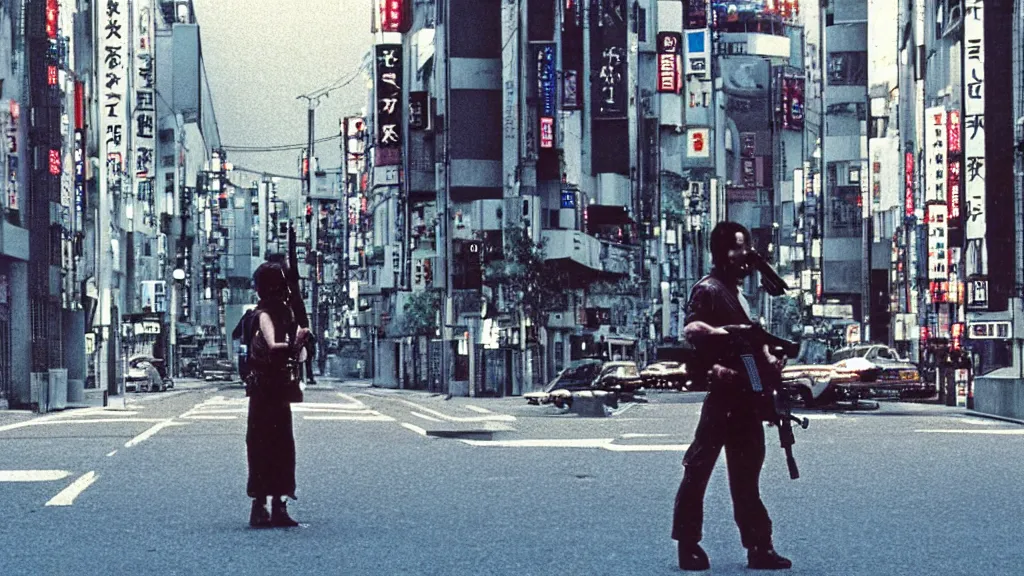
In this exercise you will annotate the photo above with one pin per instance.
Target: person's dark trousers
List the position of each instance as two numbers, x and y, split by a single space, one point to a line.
310 353
740 431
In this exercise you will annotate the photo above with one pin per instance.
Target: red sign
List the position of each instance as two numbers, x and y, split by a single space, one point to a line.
698 141
55 162
953 173
909 184
51 75
79 106
924 333
957 332
669 44
52 10
547 132
392 16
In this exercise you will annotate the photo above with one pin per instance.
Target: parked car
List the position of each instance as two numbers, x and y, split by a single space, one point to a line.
859 372
664 374
217 369
143 375
622 379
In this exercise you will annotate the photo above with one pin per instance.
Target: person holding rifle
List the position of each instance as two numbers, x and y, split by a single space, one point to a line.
292 274
730 416
272 386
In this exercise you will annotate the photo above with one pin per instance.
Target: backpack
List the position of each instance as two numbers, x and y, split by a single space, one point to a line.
244 331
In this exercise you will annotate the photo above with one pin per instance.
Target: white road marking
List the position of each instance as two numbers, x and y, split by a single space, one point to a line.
1012 432
354 418
478 409
414 428
488 418
111 454
645 435
425 417
215 417
819 416
351 399
32 475
215 411
67 496
151 432
312 406
646 447
98 421
544 443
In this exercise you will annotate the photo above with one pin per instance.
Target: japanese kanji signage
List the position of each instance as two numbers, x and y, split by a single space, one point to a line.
953 172
792 103
697 143
669 53
389 100
935 155
392 16
144 114
908 185
547 93
609 59
113 89
973 174
938 255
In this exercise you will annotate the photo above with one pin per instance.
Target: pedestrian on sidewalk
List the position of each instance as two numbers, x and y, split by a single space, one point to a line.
729 417
274 358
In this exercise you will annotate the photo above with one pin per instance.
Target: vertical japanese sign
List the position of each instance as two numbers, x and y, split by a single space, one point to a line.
547 93
79 154
392 16
696 15
669 54
935 155
973 175
144 114
510 92
908 185
12 155
113 89
792 103
389 99
698 51
938 256
572 51
953 172
609 58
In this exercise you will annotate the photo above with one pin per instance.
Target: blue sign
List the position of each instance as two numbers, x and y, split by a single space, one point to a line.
546 79
568 199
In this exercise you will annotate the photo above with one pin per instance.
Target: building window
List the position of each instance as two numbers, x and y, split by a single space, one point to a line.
847 69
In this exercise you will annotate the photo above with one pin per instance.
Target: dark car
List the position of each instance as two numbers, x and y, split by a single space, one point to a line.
622 379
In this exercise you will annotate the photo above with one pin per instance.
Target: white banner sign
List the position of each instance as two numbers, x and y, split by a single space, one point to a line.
144 87
113 33
938 250
935 155
973 132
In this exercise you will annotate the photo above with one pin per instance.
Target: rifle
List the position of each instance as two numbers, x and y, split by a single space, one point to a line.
292 276
775 401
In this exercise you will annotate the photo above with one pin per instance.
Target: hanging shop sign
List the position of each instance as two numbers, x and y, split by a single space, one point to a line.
393 17
113 91
973 175
610 65
547 93
669 52
389 99
792 103
938 247
908 185
935 140
953 170
144 114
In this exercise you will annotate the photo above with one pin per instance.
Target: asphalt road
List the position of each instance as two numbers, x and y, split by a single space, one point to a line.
159 488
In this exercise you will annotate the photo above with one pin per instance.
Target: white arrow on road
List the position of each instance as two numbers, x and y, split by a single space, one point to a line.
67 496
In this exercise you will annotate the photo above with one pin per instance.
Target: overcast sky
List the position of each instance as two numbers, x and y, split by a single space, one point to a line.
261 54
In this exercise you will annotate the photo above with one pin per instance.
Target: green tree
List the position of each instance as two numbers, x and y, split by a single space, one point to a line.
420 318
536 285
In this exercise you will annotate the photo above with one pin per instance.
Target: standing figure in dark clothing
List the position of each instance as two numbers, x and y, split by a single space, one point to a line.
273 358
281 260
729 417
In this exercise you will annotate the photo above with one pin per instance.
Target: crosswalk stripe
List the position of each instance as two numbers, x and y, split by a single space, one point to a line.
425 417
1013 432
354 418
32 475
66 497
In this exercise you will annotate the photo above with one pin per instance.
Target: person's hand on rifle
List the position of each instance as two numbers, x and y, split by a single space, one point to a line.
301 335
719 375
778 362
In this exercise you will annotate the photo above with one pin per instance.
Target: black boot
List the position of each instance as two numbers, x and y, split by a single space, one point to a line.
766 558
259 517
692 557
279 517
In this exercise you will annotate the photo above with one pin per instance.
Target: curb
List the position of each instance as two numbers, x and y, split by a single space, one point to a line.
992 417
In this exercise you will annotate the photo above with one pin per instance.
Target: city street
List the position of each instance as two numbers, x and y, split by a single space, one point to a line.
159 488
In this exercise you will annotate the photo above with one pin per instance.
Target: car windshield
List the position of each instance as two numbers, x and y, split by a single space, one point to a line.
582 371
667 365
848 353
623 371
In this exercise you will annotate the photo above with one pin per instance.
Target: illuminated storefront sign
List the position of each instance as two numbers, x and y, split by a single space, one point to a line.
953 172
609 62
392 16
389 104
668 61
935 155
792 103
547 92
938 255
908 185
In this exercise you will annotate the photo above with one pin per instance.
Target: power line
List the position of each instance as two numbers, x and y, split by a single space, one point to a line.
238 168
278 148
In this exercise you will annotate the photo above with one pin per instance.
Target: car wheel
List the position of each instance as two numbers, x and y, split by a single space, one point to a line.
807 398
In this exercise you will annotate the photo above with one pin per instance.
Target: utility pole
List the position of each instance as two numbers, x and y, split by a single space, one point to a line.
313 255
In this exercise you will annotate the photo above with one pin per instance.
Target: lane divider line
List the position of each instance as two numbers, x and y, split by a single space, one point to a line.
478 409
425 417
151 432
415 429
354 418
488 418
66 497
1013 432
33 475
111 454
